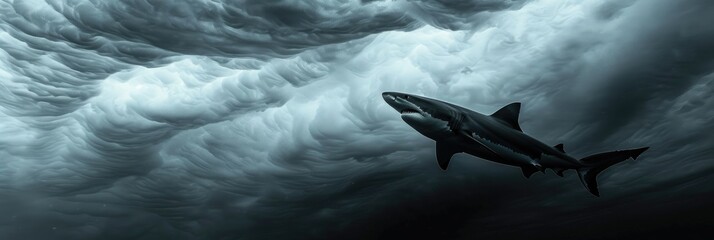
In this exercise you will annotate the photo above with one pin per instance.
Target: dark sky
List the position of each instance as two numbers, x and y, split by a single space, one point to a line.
248 119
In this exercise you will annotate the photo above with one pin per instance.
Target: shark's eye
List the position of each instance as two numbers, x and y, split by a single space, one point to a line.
406 96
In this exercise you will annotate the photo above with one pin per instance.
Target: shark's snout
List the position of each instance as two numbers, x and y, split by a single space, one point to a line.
393 96
388 96
398 101
391 99
404 104
417 112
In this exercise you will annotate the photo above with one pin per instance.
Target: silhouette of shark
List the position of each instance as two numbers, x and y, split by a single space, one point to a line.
496 137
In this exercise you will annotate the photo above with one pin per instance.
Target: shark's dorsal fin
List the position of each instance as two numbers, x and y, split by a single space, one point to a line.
444 152
509 115
559 147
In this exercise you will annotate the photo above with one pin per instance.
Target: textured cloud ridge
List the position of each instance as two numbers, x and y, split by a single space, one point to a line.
138 119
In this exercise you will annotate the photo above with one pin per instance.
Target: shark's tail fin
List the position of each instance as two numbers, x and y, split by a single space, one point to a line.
595 164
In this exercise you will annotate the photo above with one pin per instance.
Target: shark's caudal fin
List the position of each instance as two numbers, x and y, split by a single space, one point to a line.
595 164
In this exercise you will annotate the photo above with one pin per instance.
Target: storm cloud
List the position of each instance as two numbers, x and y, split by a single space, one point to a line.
139 119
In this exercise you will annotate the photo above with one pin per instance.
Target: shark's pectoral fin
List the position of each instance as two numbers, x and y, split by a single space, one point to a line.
444 152
528 171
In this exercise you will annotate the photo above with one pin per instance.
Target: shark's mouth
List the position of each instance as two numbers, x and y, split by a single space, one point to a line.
410 111
404 106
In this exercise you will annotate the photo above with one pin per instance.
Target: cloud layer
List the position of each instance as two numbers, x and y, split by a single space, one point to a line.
264 120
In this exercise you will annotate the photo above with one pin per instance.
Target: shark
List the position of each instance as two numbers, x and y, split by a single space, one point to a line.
497 137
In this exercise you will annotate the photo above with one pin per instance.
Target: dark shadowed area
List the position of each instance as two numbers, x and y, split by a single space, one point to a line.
213 119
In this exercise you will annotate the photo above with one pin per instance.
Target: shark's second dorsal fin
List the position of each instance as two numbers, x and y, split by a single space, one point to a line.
509 115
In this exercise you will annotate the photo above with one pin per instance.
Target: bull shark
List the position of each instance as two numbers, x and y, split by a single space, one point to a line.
497 137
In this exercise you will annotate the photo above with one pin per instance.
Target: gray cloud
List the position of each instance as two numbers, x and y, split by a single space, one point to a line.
139 31
263 119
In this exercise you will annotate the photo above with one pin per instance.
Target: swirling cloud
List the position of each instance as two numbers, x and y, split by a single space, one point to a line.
263 119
